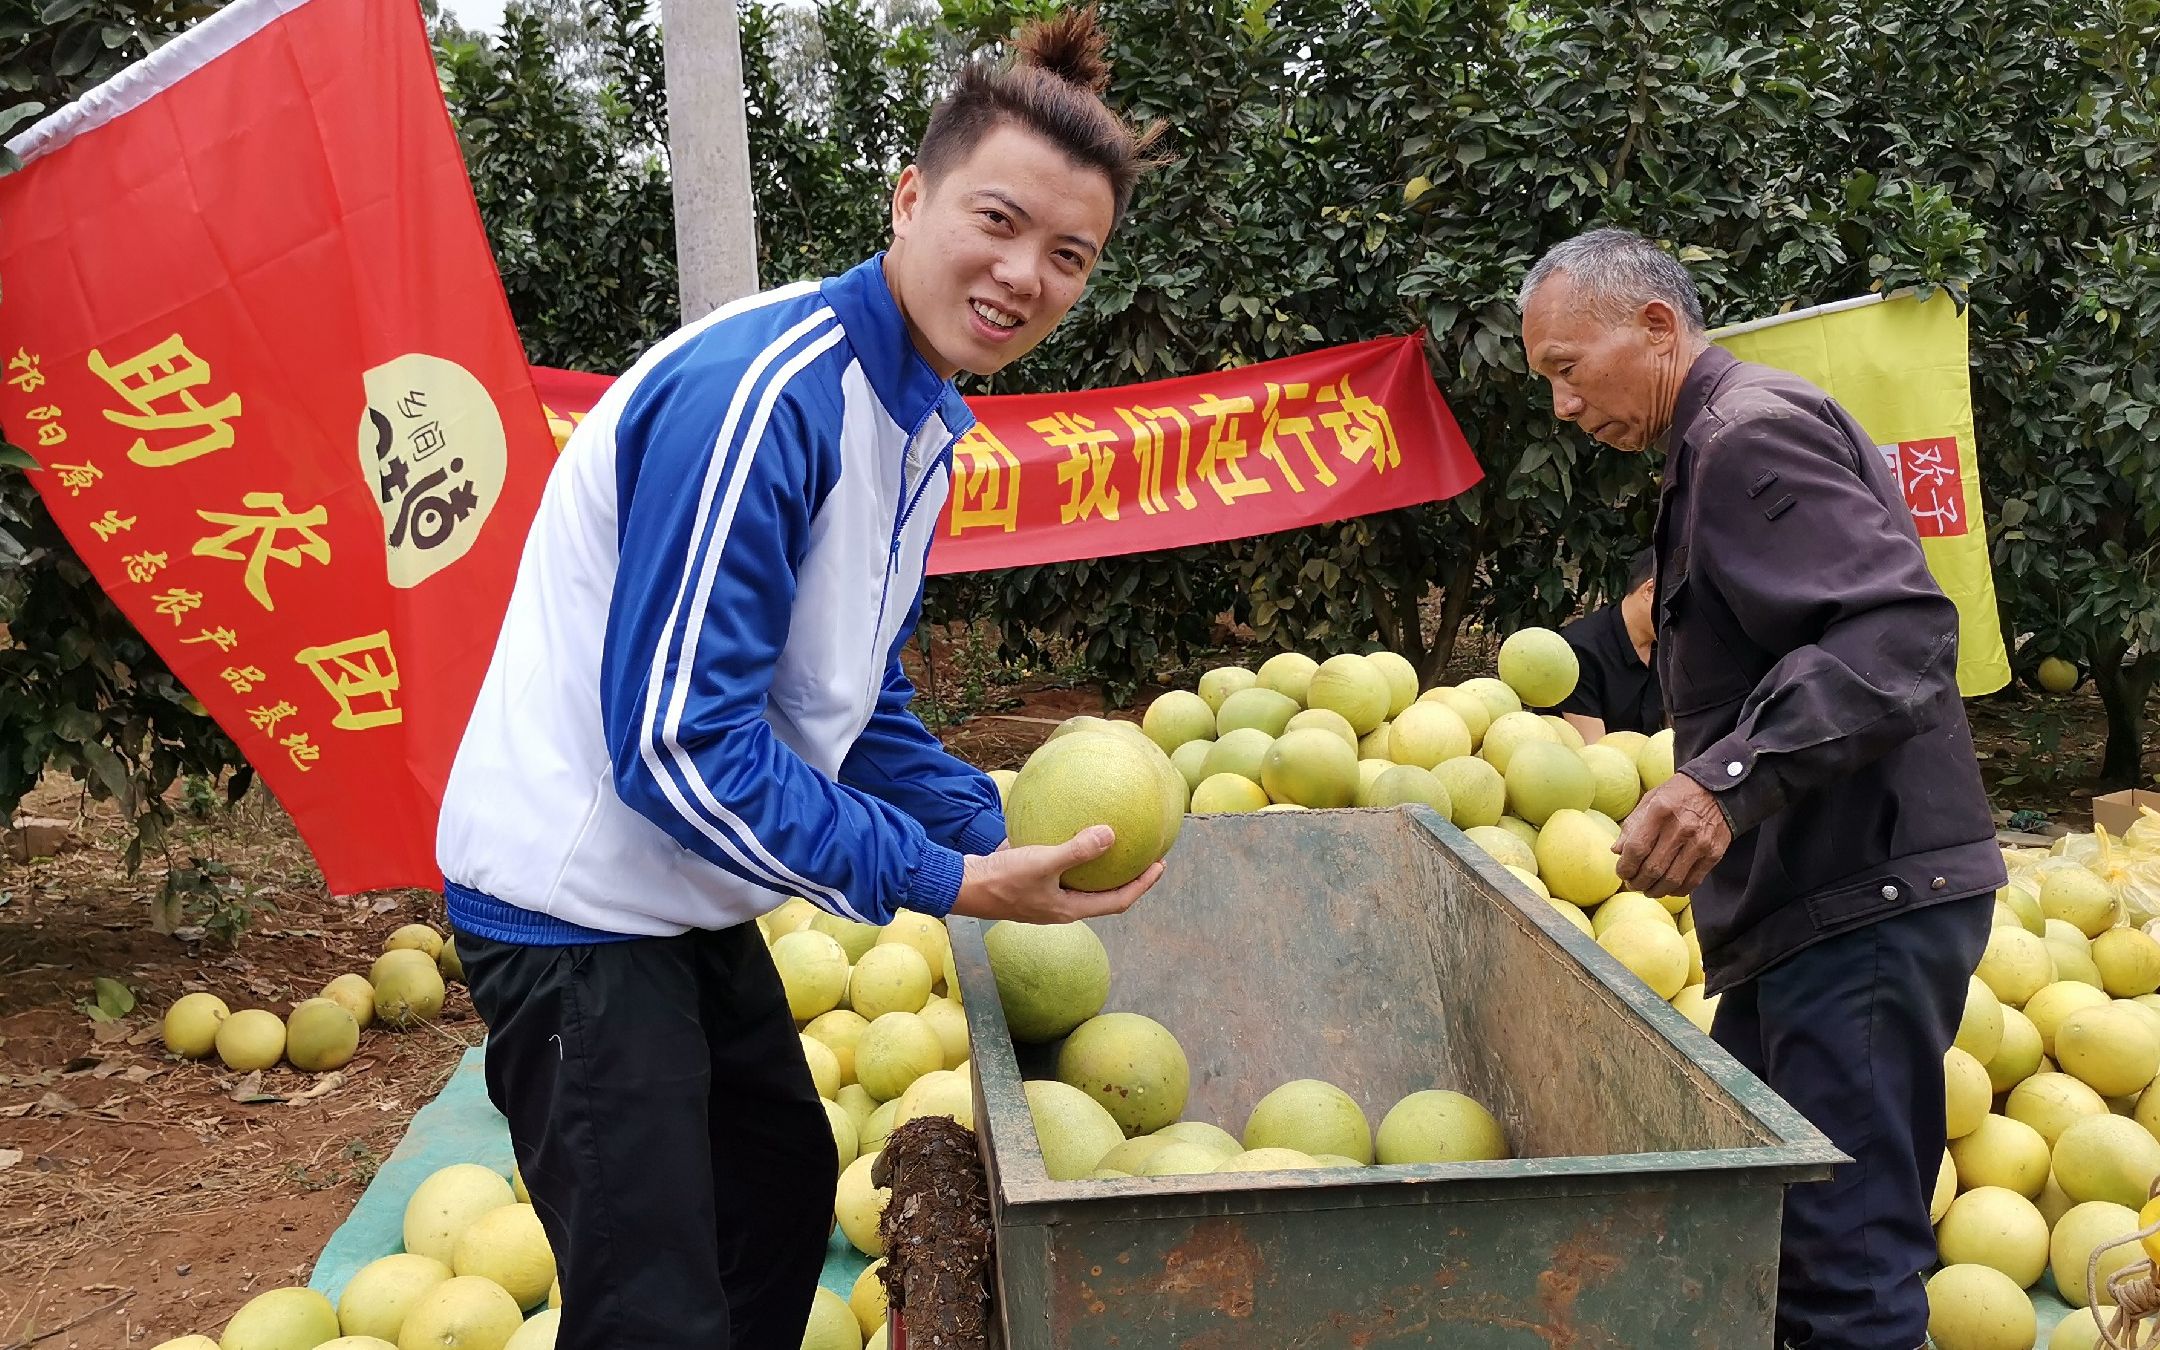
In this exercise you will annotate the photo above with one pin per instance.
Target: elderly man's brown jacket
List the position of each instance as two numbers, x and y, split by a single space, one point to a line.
1809 663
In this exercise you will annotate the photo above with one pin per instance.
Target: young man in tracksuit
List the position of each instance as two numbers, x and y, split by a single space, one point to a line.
696 710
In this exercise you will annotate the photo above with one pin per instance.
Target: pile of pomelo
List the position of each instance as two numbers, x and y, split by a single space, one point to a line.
404 989
476 1273
2053 1125
1355 731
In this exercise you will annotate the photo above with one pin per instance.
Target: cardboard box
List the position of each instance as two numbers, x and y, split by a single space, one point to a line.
2118 811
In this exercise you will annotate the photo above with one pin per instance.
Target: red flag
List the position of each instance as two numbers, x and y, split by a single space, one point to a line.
1304 440
254 336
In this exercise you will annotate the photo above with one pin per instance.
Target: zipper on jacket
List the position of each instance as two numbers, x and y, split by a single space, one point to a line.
909 500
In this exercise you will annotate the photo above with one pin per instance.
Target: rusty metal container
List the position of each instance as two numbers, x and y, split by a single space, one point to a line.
1381 951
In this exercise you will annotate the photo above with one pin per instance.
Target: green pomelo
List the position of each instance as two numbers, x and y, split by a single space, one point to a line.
1177 717
1540 666
1189 760
1615 784
1241 752
1072 1128
891 977
1379 743
1401 679
1628 743
1179 1160
1427 734
896 1049
1655 761
254 1039
1223 681
1509 733
417 937
1269 1160
854 938
1050 977
1476 713
1323 719
1288 674
1310 768
1353 686
1626 905
1312 1117
1544 778
1504 847
1406 783
2056 675
1132 1065
320 1035
1574 855
282 1319
1477 793
1214 1138
191 1024
1225 793
1090 779
1499 700
2026 904
1438 1126
1266 710
841 1031
1004 778
941 1092
354 994
407 993
1564 731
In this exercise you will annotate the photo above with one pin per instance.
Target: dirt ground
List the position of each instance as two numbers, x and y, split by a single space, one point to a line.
141 1199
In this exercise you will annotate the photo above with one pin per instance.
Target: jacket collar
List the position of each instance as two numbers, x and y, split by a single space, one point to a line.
903 381
1702 380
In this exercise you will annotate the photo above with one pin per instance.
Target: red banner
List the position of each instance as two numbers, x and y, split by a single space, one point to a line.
252 332
1049 478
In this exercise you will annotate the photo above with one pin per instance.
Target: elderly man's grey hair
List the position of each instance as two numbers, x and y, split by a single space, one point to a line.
1618 271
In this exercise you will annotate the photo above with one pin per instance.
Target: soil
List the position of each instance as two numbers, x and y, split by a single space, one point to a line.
140 1200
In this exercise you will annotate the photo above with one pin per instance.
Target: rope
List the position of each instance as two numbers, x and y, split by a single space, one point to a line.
2134 1289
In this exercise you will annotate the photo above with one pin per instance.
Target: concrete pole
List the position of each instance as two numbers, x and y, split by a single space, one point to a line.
709 152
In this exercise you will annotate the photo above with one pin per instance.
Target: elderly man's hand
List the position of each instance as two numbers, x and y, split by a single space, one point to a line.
1672 839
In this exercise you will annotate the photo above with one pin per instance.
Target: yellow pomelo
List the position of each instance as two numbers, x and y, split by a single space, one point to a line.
1402 784
1212 1137
1092 778
2072 956
449 962
1695 971
854 938
281 1319
2079 898
1691 1004
1310 768
1615 784
876 1341
1227 793
872 1136
1050 977
407 992
251 1039
1223 681
858 1205
2015 966
891 977
2144 1012
538 1332
191 1024
2111 1049
2085 1228
1528 833
867 1299
1509 733
1477 793
1427 734
1979 1032
839 1030
941 1092
1630 905
832 1323
2018 1058
1263 710
194 1343
2057 1001
1997 1228
2025 903
320 1035
1966 1093
1574 855
1130 1064
1004 779
2107 1157
1180 1160
1177 717
925 934
894 1050
1323 719
2053 1204
1503 846
1476 713
1071 1128
1945 1189
354 994
813 970
1368 773
1190 759
1130 1156
1288 674
443 1206
1655 760
1564 731
1352 686
856 1100
2056 675
1438 1126
824 1065
1540 666
2128 960
1313 1117
2002 1152
1629 744
508 1245
1972 1307
949 1021
2052 1103
2078 1331
1538 888
415 937
791 914
1268 1160
1543 778
1653 952
847 1141
1401 677
1497 697
464 1312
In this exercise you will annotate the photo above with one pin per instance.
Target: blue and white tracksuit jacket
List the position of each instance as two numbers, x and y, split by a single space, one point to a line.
696 708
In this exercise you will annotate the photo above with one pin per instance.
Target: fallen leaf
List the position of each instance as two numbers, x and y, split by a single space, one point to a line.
385 905
146 1034
141 1073
105 1033
248 1090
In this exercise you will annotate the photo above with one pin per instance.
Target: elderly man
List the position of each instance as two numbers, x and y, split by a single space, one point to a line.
1828 816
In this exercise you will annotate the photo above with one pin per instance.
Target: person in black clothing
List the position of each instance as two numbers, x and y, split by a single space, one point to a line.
1828 816
1618 687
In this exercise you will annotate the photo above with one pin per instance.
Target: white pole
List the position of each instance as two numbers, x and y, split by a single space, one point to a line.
709 153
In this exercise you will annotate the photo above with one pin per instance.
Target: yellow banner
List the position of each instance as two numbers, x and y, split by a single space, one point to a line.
1899 366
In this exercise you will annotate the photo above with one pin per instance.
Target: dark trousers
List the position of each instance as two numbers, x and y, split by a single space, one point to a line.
669 1132
1852 1033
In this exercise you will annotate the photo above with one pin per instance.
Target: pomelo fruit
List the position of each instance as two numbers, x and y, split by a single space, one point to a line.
2025 903
2056 675
2052 1103
1323 719
1313 1117
1288 674
1050 977
1311 769
1627 905
1239 752
1655 760
1087 779
2072 956
1574 855
1629 744
320 1035
1945 1189
2019 1056
354 994
846 1141
1540 666
1691 1004
1509 733
867 1298
839 1030
1130 1064
1227 793
2079 898
896 1049
1499 700
464 1312
1476 713
832 1324
941 1092
539 1331
854 938
2111 1049
1653 952
1353 686
824 1065
1268 1160
1966 1093
507 1245
407 993
949 1021
1994 1227
1189 759
1214 1138
871 1137
1264 710
1615 784
2078 1233
1477 793
858 1204
1979 1032
2057 1001
2002 1152
1406 783
1004 778
2128 961
2078 1331
443 1206
281 1319
2106 1157
1177 717
1379 743
1073 1130
1401 679
891 977
415 937
1426 734
1973 1307
251 1039
2015 966
1504 847
813 970
1439 1126
1223 681
1180 1160
191 1024
1130 1156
